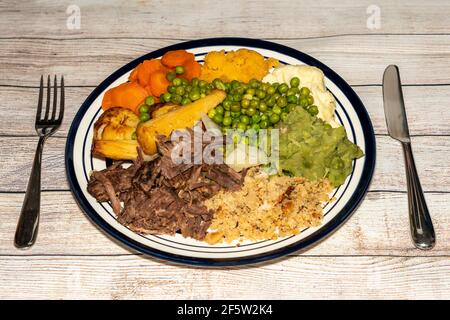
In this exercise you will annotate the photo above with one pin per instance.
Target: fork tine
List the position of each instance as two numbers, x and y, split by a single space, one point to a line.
41 92
47 106
55 98
61 108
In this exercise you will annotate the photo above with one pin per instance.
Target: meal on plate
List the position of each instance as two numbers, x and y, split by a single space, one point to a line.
237 148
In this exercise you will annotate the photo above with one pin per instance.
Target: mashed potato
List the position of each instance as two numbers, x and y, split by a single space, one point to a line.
310 77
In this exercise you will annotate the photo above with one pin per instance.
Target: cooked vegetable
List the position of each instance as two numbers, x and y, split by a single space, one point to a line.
116 124
192 69
158 83
164 109
311 148
115 149
183 117
128 95
175 58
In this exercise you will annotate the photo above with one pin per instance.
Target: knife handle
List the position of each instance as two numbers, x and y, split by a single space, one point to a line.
422 230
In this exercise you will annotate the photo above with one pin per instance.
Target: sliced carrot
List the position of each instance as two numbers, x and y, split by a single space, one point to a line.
133 74
158 83
175 58
127 95
191 69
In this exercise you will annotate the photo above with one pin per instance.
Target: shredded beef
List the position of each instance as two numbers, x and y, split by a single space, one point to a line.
161 197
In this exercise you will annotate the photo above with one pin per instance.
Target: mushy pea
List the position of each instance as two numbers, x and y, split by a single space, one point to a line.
311 148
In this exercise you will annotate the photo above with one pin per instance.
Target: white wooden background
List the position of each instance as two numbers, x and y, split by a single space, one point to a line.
371 256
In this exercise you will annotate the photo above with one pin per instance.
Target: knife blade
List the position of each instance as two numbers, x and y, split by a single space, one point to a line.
394 106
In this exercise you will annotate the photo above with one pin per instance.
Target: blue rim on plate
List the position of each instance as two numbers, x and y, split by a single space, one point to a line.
303 244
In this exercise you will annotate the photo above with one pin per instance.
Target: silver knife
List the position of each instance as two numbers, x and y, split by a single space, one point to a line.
422 231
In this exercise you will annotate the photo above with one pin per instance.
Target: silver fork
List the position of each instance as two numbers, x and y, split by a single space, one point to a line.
45 125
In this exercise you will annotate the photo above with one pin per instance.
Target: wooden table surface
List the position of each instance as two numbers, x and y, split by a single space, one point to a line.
371 256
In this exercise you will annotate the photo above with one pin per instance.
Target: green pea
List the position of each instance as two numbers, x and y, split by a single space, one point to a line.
227 87
271 102
251 111
283 116
254 104
304 102
270 90
264 117
264 86
255 126
242 126
171 75
281 102
244 111
218 118
262 106
179 69
227 121
235 107
227 114
276 110
218 84
235 121
295 82
144 117
291 99
202 95
176 98
310 100
256 118
227 104
194 82
275 85
143 108
171 88
237 97
292 91
188 88
276 96
185 101
283 88
166 97
194 94
176 82
261 94
274 118
184 82
245 103
263 124
219 110
253 83
250 91
235 84
313 110
202 83
179 90
244 119
304 92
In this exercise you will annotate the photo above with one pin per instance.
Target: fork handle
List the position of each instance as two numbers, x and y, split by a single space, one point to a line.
422 230
27 226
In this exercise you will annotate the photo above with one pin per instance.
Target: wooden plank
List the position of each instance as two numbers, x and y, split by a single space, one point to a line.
358 59
133 277
252 18
425 105
379 227
17 155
